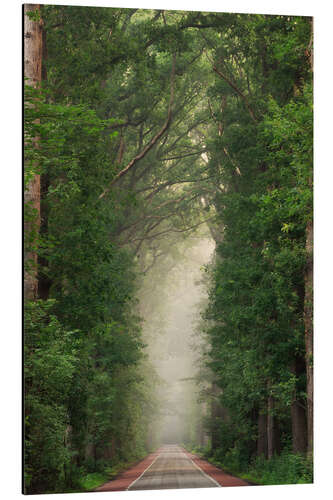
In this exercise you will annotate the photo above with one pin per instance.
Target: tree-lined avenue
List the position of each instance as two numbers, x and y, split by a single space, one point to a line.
168 165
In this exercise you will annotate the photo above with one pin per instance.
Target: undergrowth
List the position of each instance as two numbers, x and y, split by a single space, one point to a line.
286 468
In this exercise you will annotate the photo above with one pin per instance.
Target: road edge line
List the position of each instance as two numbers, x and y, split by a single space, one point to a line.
203 472
137 479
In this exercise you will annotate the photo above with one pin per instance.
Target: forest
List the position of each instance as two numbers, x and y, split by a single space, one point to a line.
146 132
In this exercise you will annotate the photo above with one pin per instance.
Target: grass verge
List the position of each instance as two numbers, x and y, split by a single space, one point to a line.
91 481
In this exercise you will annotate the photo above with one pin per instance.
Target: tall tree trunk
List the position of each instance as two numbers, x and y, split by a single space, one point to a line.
202 429
201 434
270 427
298 424
215 419
277 436
298 414
262 435
33 72
308 318
219 414
308 299
44 281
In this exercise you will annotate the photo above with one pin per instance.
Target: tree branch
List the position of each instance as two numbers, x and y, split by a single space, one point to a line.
154 139
236 89
155 257
183 155
174 230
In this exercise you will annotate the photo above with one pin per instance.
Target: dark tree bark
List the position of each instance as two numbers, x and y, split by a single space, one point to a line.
219 414
298 414
214 414
308 325
308 299
270 427
44 281
277 436
298 424
262 435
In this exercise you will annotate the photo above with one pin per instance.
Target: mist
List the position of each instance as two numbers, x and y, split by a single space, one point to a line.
171 300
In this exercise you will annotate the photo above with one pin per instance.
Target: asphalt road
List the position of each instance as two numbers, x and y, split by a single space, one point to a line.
172 469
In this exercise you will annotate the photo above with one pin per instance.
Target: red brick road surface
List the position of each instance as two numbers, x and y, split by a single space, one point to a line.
123 481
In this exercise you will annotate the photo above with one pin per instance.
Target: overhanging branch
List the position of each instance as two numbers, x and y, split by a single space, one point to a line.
154 139
236 89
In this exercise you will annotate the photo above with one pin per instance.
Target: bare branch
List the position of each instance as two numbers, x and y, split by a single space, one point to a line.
174 230
183 155
155 257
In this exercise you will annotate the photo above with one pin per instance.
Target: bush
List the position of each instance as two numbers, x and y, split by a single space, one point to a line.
49 361
287 468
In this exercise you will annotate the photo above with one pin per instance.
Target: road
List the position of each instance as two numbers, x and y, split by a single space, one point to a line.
172 469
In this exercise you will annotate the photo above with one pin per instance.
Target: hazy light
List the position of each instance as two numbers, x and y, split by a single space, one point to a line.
171 309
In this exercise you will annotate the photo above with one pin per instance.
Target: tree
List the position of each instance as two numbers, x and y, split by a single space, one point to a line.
257 299
33 75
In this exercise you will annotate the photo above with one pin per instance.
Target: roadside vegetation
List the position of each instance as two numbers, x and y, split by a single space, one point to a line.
285 468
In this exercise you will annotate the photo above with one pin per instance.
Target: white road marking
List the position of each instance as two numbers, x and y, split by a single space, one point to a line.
137 479
204 473
195 465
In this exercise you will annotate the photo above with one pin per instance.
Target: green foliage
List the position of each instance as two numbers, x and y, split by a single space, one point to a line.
50 354
288 468
93 277
90 482
254 321
34 15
